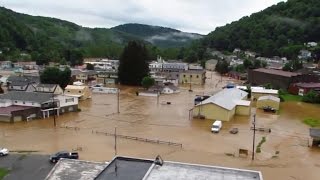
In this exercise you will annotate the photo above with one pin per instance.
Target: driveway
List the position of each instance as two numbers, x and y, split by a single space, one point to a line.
26 166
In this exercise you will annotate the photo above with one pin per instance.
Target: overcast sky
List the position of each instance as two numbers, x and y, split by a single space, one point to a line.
200 16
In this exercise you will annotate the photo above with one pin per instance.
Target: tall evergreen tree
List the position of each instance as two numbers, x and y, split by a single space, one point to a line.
133 64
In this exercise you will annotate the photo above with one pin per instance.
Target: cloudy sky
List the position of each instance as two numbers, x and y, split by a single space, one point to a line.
200 16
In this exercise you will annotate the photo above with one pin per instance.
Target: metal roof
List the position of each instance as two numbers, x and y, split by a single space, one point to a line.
315 133
277 72
269 98
265 91
227 98
27 96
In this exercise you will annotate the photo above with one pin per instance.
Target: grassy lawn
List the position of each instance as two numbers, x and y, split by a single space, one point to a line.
3 173
312 122
290 97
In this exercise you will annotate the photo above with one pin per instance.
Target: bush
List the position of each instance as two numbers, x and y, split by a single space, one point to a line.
312 122
311 97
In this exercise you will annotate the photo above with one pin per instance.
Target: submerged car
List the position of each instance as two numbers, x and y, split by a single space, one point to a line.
269 109
4 151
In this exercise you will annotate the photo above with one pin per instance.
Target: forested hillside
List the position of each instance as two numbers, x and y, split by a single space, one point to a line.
25 37
281 30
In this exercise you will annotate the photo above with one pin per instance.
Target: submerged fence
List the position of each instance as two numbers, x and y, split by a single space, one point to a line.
128 137
139 139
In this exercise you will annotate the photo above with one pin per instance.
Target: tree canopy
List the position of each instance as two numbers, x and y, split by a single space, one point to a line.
133 64
53 75
147 82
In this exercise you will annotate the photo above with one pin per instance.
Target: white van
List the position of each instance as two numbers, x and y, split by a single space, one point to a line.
216 126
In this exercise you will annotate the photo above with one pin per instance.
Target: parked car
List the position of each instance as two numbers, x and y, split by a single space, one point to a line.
216 126
4 151
269 109
63 154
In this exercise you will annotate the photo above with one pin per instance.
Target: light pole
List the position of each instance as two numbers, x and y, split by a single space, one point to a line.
118 99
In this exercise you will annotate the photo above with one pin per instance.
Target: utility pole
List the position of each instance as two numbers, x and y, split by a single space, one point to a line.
158 96
190 90
254 135
118 99
54 113
115 150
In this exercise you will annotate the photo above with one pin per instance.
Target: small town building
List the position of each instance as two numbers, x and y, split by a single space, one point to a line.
107 77
271 101
49 88
237 75
223 105
193 77
315 136
256 93
82 92
130 168
277 78
84 76
302 89
166 88
20 105
22 83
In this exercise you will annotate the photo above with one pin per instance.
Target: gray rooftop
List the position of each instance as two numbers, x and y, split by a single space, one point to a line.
227 98
67 169
181 171
47 85
29 79
122 168
315 133
27 96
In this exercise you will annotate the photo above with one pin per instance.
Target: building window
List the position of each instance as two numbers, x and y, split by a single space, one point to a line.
15 101
21 87
79 91
24 102
68 91
184 75
190 76
197 76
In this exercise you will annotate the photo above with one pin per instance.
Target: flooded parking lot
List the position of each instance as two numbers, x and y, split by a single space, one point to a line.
285 154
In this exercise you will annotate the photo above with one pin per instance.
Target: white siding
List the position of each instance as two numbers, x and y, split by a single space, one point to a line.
5 103
67 100
26 103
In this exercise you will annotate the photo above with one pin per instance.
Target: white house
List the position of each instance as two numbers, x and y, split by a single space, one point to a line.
49 88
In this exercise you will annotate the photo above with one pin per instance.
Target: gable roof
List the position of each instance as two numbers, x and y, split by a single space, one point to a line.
28 79
227 98
47 85
27 96
269 98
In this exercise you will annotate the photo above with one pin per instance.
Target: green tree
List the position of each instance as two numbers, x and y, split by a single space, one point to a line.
240 68
311 97
90 66
147 82
133 64
53 75
247 63
222 67
75 57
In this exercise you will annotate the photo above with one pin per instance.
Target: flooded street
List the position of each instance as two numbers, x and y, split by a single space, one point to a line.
143 117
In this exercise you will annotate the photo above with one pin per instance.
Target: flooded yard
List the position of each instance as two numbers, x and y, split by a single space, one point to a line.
285 154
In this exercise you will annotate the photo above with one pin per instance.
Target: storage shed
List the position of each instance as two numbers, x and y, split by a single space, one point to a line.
271 101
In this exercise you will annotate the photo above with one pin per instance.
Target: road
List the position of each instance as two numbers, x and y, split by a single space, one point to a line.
26 166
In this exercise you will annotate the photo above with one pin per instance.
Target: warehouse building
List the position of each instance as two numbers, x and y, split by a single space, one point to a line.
224 105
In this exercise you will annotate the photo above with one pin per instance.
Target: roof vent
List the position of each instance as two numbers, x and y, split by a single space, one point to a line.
158 160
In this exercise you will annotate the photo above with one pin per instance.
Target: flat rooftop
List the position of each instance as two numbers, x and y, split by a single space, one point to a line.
122 168
277 72
181 171
69 169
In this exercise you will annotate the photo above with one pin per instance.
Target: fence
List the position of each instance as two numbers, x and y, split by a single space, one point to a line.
140 139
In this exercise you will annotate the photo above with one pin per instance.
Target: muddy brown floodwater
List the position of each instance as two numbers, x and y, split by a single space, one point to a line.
143 117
